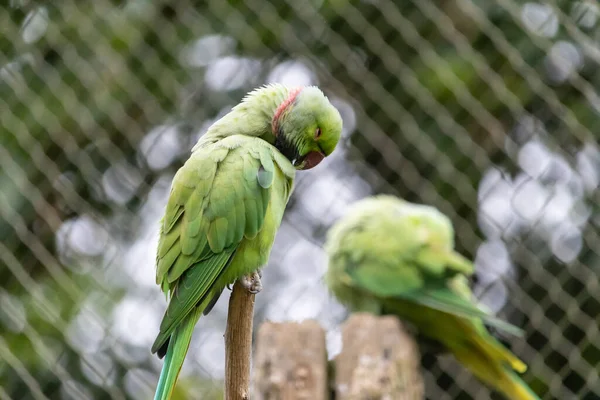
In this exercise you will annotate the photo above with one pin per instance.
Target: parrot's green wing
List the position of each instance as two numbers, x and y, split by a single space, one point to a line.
217 198
423 276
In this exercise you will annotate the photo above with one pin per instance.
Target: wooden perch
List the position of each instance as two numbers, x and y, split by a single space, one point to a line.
379 360
238 343
291 362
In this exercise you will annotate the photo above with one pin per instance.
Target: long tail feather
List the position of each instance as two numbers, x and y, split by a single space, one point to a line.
179 344
517 389
494 364
497 352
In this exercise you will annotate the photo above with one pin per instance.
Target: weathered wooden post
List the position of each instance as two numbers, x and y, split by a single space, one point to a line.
290 362
379 360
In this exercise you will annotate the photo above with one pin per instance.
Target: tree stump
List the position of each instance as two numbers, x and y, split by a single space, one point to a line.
291 362
379 361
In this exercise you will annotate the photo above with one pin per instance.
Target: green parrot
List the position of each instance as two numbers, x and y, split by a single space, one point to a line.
227 202
389 256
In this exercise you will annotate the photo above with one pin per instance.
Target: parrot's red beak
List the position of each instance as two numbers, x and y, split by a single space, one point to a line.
312 159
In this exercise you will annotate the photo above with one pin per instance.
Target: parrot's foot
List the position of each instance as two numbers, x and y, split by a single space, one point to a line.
229 286
252 282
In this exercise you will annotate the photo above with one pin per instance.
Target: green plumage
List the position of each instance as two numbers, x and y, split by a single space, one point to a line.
227 202
388 256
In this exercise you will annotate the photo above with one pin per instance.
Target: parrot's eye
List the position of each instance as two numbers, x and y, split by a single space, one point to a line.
318 133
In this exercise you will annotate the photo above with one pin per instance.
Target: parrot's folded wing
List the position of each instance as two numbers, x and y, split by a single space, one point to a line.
403 280
446 300
190 291
217 199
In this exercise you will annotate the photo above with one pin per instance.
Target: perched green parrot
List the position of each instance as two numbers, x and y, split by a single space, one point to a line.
389 256
227 202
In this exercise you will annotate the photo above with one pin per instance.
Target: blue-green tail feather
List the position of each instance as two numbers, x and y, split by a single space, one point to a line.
173 361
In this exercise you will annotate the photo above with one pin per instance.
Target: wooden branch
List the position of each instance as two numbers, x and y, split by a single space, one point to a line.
291 362
379 360
238 343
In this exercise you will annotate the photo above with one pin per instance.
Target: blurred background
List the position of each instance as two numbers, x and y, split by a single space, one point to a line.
488 110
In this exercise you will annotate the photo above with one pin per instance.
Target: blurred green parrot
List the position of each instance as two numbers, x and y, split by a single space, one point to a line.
389 256
227 202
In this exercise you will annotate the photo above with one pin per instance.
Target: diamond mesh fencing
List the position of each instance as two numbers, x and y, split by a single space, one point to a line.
488 110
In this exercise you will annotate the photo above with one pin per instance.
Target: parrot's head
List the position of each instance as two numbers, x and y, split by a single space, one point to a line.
306 127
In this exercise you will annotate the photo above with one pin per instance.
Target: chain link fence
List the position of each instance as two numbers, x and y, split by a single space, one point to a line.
488 110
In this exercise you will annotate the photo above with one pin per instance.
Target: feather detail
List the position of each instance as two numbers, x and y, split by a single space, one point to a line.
282 107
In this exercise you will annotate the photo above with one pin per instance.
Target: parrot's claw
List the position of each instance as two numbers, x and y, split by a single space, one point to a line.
229 286
252 282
